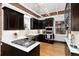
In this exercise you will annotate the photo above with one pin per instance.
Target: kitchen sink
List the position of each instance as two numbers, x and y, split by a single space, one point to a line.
26 42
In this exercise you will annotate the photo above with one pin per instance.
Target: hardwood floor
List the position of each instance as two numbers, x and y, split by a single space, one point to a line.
55 49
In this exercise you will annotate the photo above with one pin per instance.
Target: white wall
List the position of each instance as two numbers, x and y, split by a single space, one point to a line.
28 29
27 21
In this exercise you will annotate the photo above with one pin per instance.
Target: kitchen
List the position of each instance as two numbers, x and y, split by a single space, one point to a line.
26 32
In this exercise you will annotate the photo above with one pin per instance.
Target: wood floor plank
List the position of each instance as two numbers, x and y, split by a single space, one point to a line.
56 49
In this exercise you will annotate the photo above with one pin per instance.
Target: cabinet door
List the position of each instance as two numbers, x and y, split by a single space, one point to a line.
10 20
20 21
43 24
34 23
5 50
13 20
37 24
49 22
6 19
46 22
40 24
75 17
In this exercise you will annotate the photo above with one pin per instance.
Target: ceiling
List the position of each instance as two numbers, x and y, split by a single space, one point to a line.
45 8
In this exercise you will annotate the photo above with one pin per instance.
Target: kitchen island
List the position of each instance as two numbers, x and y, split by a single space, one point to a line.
10 49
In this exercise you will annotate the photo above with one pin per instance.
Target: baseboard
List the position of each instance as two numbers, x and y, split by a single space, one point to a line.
60 42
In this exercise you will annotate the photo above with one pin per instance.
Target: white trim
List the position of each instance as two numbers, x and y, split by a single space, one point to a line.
50 16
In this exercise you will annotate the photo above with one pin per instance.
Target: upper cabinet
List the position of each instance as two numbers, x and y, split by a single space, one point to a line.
41 24
72 16
33 23
75 17
13 20
49 22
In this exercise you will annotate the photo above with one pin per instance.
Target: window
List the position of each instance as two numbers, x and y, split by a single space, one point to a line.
60 27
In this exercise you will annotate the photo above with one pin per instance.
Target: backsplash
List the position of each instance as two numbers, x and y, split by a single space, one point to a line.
20 33
10 34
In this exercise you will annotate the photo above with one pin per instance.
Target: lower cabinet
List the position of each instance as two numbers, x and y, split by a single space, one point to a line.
41 38
7 50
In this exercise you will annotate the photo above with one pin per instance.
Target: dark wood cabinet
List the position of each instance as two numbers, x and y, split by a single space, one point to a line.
41 38
7 50
49 22
75 17
72 16
13 20
34 23
41 24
